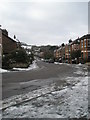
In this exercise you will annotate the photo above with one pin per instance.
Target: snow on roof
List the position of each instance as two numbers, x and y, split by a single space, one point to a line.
26 46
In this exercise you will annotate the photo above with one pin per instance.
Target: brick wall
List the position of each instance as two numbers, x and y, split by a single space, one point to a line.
75 47
84 49
8 44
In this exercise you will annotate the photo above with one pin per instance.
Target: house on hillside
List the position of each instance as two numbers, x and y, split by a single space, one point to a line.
56 54
27 48
85 47
68 52
75 51
59 54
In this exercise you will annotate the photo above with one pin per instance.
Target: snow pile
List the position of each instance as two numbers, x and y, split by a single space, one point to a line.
75 101
31 67
49 102
2 70
26 46
81 70
57 63
79 64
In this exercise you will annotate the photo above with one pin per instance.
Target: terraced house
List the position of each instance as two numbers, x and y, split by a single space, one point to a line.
75 51
68 49
85 47
56 54
59 54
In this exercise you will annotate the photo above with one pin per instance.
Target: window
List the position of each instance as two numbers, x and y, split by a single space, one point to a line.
88 54
82 44
85 43
84 39
88 42
69 48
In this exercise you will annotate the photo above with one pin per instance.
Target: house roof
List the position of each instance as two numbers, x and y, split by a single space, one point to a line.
85 37
8 37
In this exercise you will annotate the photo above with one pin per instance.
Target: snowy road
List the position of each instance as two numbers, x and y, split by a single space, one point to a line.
51 102
61 96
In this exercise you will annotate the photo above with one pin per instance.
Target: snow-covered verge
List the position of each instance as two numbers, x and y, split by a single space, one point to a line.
32 66
50 102
3 70
57 63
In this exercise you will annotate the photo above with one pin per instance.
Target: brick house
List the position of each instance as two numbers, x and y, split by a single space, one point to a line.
68 50
76 45
8 44
75 48
80 45
56 53
63 53
59 54
59 50
85 47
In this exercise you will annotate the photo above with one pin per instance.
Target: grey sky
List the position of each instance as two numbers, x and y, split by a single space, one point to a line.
45 23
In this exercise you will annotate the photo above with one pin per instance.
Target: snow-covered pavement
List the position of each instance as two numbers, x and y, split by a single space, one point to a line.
51 102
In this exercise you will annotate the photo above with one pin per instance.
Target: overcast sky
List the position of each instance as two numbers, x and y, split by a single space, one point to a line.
41 23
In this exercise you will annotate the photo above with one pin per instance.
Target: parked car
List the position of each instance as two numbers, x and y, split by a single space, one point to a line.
46 60
42 59
73 61
51 61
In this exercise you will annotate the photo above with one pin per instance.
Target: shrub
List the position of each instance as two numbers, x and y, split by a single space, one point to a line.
6 61
76 54
17 57
20 56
